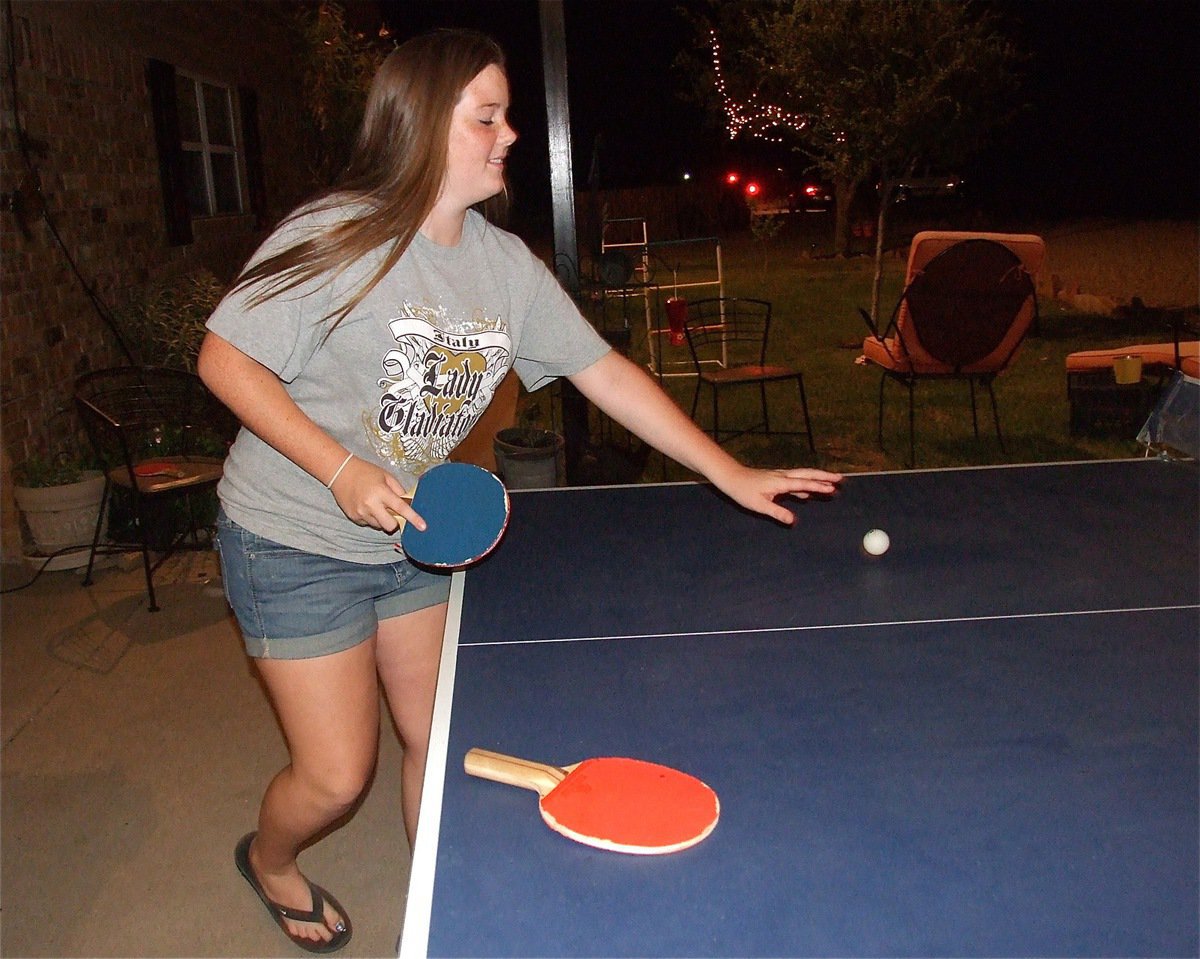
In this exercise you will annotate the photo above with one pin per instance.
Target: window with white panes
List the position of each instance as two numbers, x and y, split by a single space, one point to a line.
208 139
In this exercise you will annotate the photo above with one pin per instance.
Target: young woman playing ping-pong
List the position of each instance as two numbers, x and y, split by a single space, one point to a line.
361 343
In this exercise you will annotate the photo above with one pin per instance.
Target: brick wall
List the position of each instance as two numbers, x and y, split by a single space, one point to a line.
83 104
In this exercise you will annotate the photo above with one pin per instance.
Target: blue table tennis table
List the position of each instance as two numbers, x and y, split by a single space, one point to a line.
983 743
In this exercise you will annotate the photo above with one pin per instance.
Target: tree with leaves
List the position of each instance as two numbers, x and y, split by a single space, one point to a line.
338 66
868 90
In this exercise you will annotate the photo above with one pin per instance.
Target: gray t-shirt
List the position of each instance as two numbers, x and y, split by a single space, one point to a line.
402 379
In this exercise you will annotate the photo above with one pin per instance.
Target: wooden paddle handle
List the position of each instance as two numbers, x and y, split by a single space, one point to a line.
400 520
511 771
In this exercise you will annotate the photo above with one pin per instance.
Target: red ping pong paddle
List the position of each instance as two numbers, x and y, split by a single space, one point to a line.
465 509
150 468
624 805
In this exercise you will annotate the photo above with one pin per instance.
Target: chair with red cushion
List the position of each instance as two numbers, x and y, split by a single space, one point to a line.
969 300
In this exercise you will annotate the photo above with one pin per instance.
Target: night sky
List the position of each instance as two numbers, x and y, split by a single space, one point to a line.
1111 126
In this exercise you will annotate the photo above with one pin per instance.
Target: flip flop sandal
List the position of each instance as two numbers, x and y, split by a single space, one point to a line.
279 913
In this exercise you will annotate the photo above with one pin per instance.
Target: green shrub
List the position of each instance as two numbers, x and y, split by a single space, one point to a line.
163 322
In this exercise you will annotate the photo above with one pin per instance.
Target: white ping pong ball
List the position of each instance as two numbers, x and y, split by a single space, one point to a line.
876 542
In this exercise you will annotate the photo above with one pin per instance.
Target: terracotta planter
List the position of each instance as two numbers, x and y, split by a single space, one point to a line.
62 516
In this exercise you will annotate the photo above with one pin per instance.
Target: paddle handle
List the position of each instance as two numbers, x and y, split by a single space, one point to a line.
400 520
512 771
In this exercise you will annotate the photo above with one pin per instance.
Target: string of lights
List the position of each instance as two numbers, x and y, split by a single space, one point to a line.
761 121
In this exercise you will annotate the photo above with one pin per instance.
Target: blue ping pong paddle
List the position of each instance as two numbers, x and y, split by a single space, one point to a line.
465 509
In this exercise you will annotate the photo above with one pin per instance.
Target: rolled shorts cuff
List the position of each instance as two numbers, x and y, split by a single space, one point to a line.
335 640
433 593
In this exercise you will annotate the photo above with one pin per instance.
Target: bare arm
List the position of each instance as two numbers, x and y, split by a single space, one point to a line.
366 493
634 400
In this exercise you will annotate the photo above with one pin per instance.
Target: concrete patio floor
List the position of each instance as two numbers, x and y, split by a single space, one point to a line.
136 748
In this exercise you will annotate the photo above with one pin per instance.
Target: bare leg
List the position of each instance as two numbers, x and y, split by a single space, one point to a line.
408 653
329 710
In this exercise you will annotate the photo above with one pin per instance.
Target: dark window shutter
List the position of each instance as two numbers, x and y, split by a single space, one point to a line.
160 80
252 151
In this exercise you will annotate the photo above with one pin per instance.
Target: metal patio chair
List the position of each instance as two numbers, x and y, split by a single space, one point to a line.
727 337
969 300
161 436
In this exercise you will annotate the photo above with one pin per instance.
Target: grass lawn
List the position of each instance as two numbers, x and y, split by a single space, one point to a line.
817 327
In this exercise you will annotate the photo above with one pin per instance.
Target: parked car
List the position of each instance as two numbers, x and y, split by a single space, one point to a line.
945 186
773 191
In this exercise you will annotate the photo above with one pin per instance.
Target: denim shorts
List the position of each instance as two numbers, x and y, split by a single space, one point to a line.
291 604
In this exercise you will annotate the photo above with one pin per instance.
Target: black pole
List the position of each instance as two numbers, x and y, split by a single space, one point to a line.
562 190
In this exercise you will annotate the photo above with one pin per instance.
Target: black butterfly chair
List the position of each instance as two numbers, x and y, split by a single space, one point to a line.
160 436
727 337
969 299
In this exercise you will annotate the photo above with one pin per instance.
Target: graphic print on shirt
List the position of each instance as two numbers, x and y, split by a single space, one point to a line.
437 382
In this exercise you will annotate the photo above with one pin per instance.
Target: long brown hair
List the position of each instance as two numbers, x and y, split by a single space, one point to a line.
395 170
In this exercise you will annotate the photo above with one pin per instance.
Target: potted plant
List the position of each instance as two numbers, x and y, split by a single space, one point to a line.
527 456
59 499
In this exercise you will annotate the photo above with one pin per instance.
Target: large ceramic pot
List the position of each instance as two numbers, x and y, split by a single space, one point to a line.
59 517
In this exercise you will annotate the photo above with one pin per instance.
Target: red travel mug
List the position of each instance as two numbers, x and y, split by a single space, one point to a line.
676 315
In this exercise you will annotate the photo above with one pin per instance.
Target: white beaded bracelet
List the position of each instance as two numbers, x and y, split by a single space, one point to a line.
338 471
